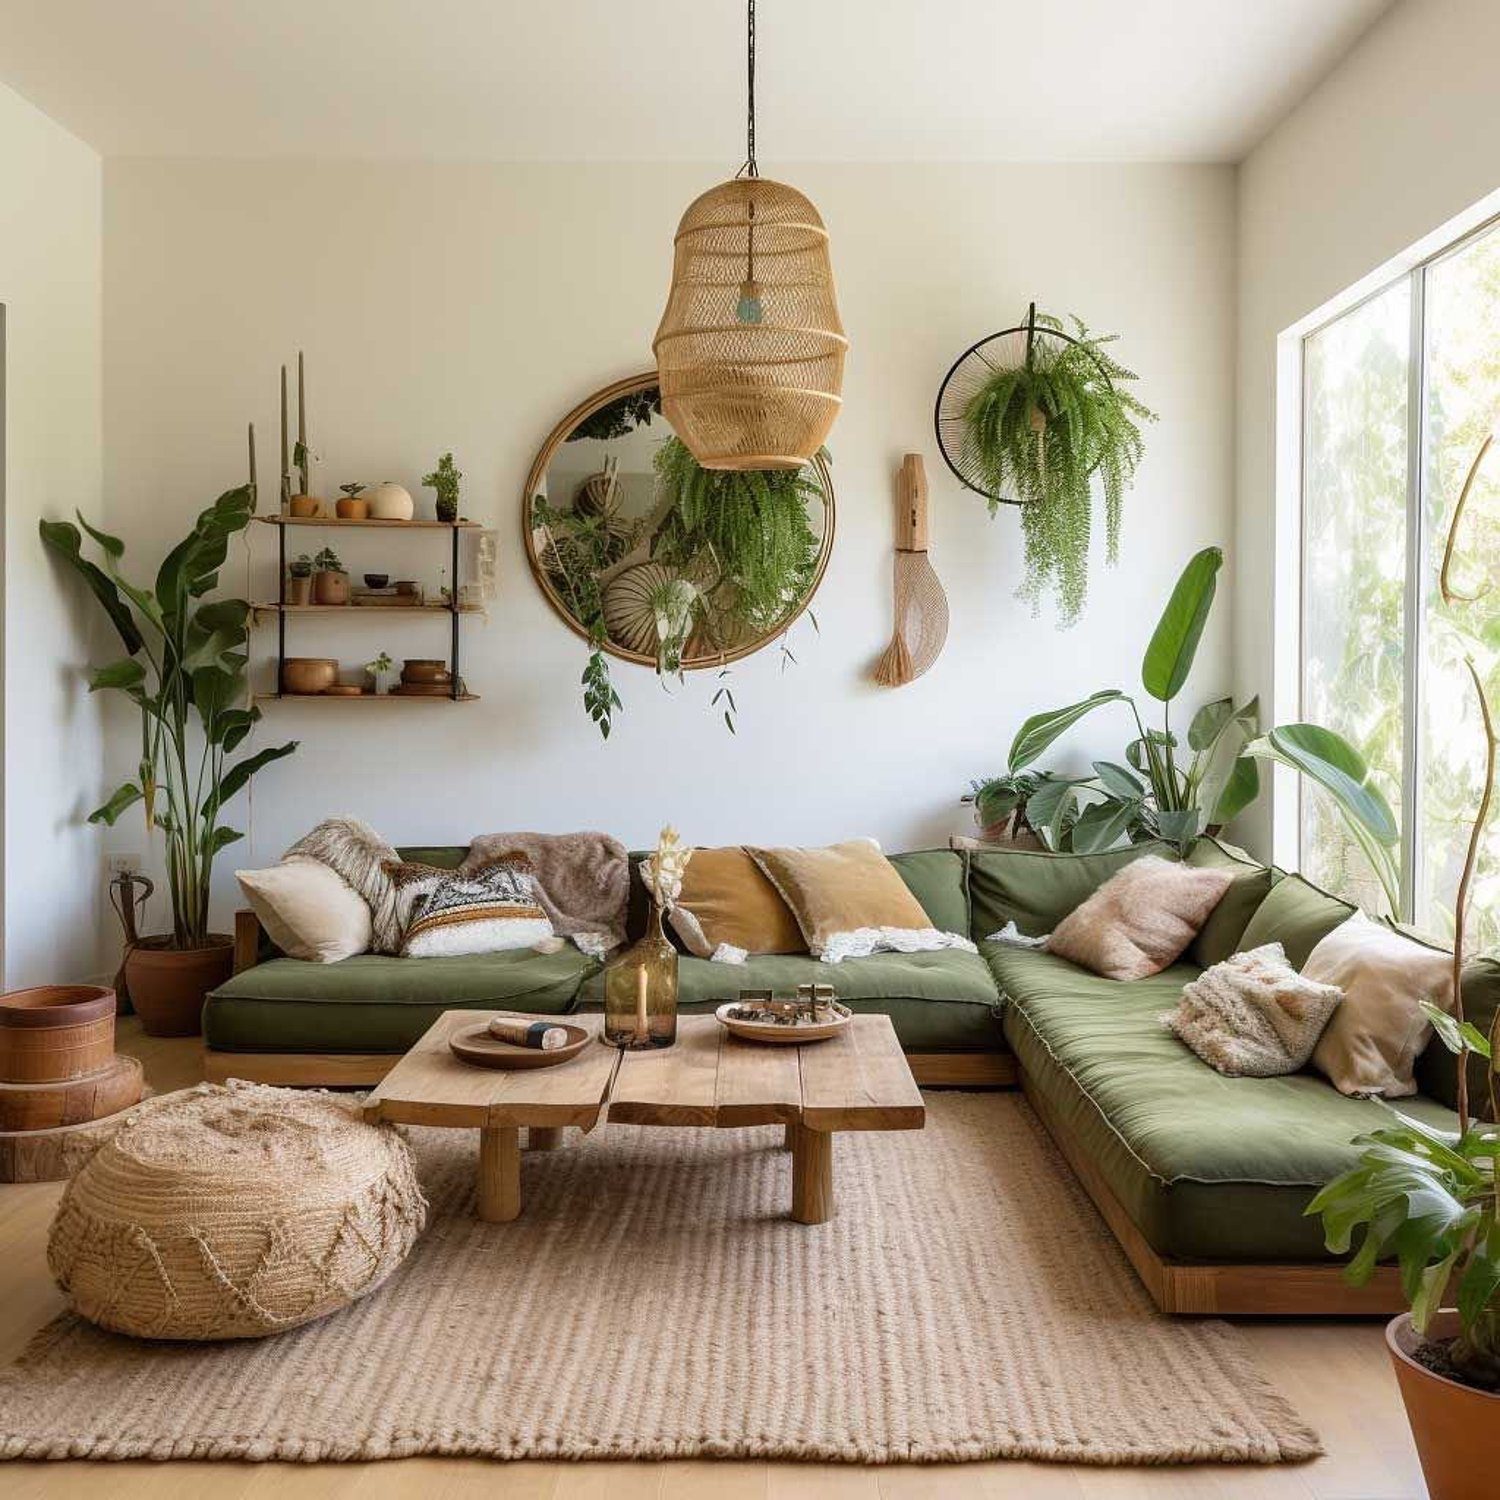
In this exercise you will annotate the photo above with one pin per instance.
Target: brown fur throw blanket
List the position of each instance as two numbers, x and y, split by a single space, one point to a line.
582 881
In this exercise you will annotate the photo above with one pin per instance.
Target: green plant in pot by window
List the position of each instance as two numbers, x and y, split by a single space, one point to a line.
1154 790
184 670
1043 431
443 481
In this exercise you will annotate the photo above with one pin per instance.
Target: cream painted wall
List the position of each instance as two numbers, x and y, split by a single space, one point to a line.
1402 137
50 197
468 307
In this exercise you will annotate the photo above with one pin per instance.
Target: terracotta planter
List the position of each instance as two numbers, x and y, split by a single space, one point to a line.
168 984
304 506
330 588
298 590
1454 1425
352 508
56 1032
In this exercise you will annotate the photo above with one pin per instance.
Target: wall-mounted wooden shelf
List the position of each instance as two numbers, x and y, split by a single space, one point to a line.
366 698
371 521
365 609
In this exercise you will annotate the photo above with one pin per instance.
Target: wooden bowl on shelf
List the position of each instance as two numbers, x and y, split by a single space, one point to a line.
308 674
425 669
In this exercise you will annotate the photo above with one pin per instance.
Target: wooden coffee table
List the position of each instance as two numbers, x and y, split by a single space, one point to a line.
856 1081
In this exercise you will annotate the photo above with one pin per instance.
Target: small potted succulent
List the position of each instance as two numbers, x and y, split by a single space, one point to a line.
378 672
352 507
330 578
298 588
443 481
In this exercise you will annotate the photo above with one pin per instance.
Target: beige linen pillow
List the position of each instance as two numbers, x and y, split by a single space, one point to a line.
1141 919
310 912
1375 1037
849 901
727 900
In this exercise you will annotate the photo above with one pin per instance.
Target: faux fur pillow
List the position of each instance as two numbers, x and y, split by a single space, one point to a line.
1141 919
448 913
1253 1015
355 851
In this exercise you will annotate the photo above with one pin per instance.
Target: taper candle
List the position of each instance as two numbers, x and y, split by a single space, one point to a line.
253 491
302 423
640 1002
286 472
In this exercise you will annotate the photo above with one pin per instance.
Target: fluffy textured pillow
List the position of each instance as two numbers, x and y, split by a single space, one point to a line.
849 902
490 908
726 900
1140 920
1253 1015
309 912
1375 1037
356 852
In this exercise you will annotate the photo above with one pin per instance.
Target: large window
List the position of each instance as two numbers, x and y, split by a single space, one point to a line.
1398 394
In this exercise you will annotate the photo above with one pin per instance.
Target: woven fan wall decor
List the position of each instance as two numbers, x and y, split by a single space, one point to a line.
750 350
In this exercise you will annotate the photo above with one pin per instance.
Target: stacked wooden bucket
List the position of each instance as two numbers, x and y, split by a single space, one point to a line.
62 1084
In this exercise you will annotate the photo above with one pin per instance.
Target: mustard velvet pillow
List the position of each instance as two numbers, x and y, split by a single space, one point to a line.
849 902
1142 919
727 900
1372 1043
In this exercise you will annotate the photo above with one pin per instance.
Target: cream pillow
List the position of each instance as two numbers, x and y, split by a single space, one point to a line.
1141 919
310 912
850 902
1375 1037
1253 1015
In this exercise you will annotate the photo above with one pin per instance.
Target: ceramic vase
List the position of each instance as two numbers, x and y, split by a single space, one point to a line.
391 502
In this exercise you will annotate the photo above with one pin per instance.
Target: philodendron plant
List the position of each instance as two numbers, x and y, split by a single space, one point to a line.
1156 791
184 669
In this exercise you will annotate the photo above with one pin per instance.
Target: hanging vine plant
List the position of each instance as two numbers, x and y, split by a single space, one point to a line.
1038 431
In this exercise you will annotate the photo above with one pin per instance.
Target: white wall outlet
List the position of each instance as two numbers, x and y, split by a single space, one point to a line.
124 864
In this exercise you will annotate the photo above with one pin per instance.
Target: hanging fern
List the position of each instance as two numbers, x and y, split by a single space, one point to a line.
1040 432
746 537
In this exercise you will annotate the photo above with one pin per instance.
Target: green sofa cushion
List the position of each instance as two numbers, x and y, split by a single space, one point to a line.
938 1002
1297 915
1036 890
1437 1067
939 879
1220 935
376 1004
1208 1167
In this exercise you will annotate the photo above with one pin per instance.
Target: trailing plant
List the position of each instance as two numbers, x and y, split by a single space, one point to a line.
184 669
1150 793
327 561
1042 432
443 481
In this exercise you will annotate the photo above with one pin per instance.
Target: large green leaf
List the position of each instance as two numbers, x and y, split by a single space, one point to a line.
1102 825
1241 788
241 771
124 797
1040 730
1169 655
1180 825
1119 781
124 674
1331 761
64 539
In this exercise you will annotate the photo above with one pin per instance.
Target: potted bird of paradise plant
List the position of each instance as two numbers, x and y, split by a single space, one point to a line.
184 670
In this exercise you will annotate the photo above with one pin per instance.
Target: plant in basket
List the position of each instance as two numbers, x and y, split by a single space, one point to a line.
184 669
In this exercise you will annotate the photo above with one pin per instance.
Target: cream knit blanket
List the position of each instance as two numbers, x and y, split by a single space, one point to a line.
1253 1015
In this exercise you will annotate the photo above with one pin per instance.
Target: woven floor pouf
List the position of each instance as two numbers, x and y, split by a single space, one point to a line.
235 1212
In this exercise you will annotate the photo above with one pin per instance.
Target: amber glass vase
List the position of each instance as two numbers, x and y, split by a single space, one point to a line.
640 991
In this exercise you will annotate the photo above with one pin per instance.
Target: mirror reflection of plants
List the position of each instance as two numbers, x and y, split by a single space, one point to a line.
184 670
1041 432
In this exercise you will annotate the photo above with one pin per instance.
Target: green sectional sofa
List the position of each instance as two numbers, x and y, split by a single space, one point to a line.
1204 1179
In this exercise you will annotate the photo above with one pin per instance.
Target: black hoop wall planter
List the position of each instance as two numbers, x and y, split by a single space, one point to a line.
993 353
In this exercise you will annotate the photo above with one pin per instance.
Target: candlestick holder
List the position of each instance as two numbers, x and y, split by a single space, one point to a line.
640 991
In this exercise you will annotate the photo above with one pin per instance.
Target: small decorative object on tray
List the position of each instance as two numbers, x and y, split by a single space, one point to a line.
813 1015
475 1044
546 1036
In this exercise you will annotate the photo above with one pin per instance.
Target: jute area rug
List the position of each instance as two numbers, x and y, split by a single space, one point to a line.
654 1301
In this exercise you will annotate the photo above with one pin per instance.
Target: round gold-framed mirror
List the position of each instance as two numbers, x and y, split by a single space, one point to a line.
655 560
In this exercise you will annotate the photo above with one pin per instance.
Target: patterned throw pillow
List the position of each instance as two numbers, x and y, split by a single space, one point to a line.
491 908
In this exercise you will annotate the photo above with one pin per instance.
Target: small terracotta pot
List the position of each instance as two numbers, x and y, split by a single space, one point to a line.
1454 1425
304 506
352 508
425 669
308 674
54 1032
298 590
330 588
168 984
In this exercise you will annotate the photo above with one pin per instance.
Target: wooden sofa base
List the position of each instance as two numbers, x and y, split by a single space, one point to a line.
967 1070
1224 1289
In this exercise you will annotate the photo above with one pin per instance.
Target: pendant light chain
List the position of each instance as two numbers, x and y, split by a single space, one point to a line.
750 169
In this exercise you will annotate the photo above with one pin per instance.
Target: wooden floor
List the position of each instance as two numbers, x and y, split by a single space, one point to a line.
1336 1373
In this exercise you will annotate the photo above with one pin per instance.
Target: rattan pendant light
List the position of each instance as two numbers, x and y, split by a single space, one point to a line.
750 351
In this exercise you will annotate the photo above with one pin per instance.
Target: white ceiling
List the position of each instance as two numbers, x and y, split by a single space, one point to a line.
555 80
